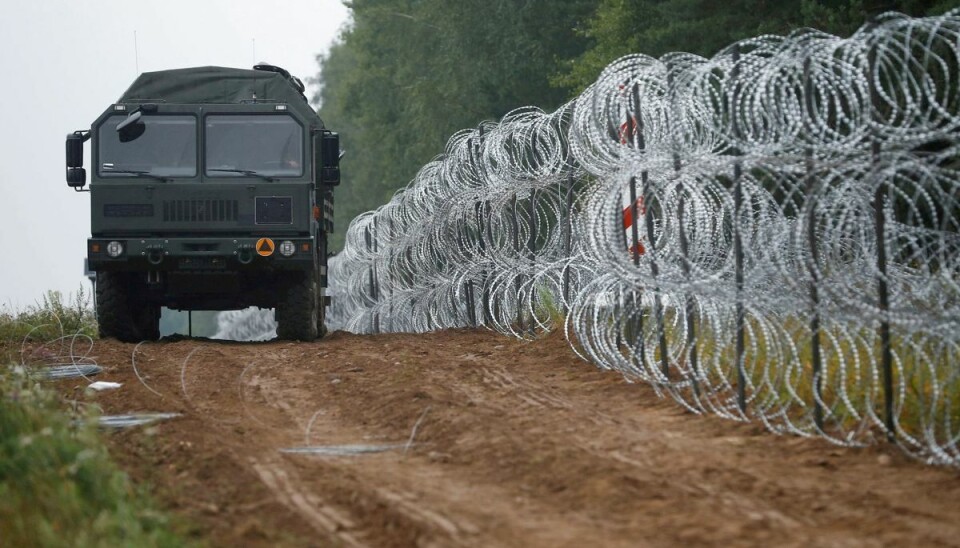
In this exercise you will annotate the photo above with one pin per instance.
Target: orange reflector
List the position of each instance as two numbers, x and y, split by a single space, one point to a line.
95 248
316 213
305 247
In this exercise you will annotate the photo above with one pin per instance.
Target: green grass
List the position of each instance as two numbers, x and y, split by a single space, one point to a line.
547 309
58 486
54 316
779 371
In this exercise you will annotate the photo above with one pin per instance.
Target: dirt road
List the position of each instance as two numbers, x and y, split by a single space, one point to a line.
513 444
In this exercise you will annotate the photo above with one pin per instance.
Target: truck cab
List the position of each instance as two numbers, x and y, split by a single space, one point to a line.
211 189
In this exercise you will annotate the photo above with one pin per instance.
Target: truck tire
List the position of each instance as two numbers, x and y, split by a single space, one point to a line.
297 310
122 311
114 310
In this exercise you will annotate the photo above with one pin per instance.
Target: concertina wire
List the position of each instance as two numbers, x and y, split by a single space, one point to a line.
769 234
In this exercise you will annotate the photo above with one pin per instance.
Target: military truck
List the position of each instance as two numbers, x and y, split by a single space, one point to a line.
211 189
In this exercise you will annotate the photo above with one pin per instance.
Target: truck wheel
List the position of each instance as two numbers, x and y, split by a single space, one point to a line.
122 312
297 310
114 311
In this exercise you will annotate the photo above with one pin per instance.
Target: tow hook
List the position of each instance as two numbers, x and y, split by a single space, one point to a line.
245 255
155 256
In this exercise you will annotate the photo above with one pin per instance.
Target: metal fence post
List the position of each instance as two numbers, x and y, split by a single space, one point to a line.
567 242
639 143
470 297
369 240
738 275
390 268
485 289
738 248
532 249
622 236
883 293
634 220
471 306
690 304
654 273
518 282
813 266
635 250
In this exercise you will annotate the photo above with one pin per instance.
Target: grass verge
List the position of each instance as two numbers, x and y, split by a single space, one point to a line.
54 316
58 486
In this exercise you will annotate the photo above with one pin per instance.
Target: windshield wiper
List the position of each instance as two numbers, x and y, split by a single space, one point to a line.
247 172
138 173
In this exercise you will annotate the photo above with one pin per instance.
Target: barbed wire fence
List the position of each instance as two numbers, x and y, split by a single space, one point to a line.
770 234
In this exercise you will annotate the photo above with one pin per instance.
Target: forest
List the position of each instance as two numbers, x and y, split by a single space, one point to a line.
404 75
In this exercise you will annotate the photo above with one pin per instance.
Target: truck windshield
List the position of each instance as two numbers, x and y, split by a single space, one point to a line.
168 148
268 145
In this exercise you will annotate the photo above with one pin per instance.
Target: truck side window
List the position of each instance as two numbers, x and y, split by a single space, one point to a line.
167 148
269 144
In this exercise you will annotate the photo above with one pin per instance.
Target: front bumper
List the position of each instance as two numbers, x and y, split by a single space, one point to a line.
186 254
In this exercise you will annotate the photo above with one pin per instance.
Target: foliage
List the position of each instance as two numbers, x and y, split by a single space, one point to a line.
408 73
54 316
58 486
703 27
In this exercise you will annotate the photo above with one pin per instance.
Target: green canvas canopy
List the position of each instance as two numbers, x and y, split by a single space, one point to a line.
217 85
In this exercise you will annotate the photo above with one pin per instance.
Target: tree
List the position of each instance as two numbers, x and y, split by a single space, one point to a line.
704 27
407 74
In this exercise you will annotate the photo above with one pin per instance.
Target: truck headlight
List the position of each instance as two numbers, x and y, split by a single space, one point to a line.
114 249
287 248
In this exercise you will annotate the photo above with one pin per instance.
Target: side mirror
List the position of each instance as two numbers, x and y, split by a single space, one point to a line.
329 161
75 149
76 175
131 128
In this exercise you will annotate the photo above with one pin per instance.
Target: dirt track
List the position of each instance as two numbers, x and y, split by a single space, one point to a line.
516 444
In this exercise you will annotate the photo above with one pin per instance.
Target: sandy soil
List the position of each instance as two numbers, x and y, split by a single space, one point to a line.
514 444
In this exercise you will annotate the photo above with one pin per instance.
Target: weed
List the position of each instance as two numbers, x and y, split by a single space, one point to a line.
52 317
58 486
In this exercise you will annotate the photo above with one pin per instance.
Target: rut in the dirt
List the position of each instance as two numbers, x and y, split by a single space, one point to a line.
518 444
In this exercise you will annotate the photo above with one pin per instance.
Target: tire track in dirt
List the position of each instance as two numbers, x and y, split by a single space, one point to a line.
522 444
404 505
324 518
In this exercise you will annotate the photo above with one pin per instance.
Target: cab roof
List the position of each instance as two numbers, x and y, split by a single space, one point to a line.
218 85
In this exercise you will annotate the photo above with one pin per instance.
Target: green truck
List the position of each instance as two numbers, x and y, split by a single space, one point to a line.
211 189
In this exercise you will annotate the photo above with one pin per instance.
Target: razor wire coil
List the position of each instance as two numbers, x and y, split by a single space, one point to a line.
769 234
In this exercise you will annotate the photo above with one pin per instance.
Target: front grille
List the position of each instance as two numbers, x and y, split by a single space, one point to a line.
200 211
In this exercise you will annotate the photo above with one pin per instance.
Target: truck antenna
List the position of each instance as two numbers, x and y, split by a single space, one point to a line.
253 41
136 54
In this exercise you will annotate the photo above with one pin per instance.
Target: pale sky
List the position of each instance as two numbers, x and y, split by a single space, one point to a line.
65 61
